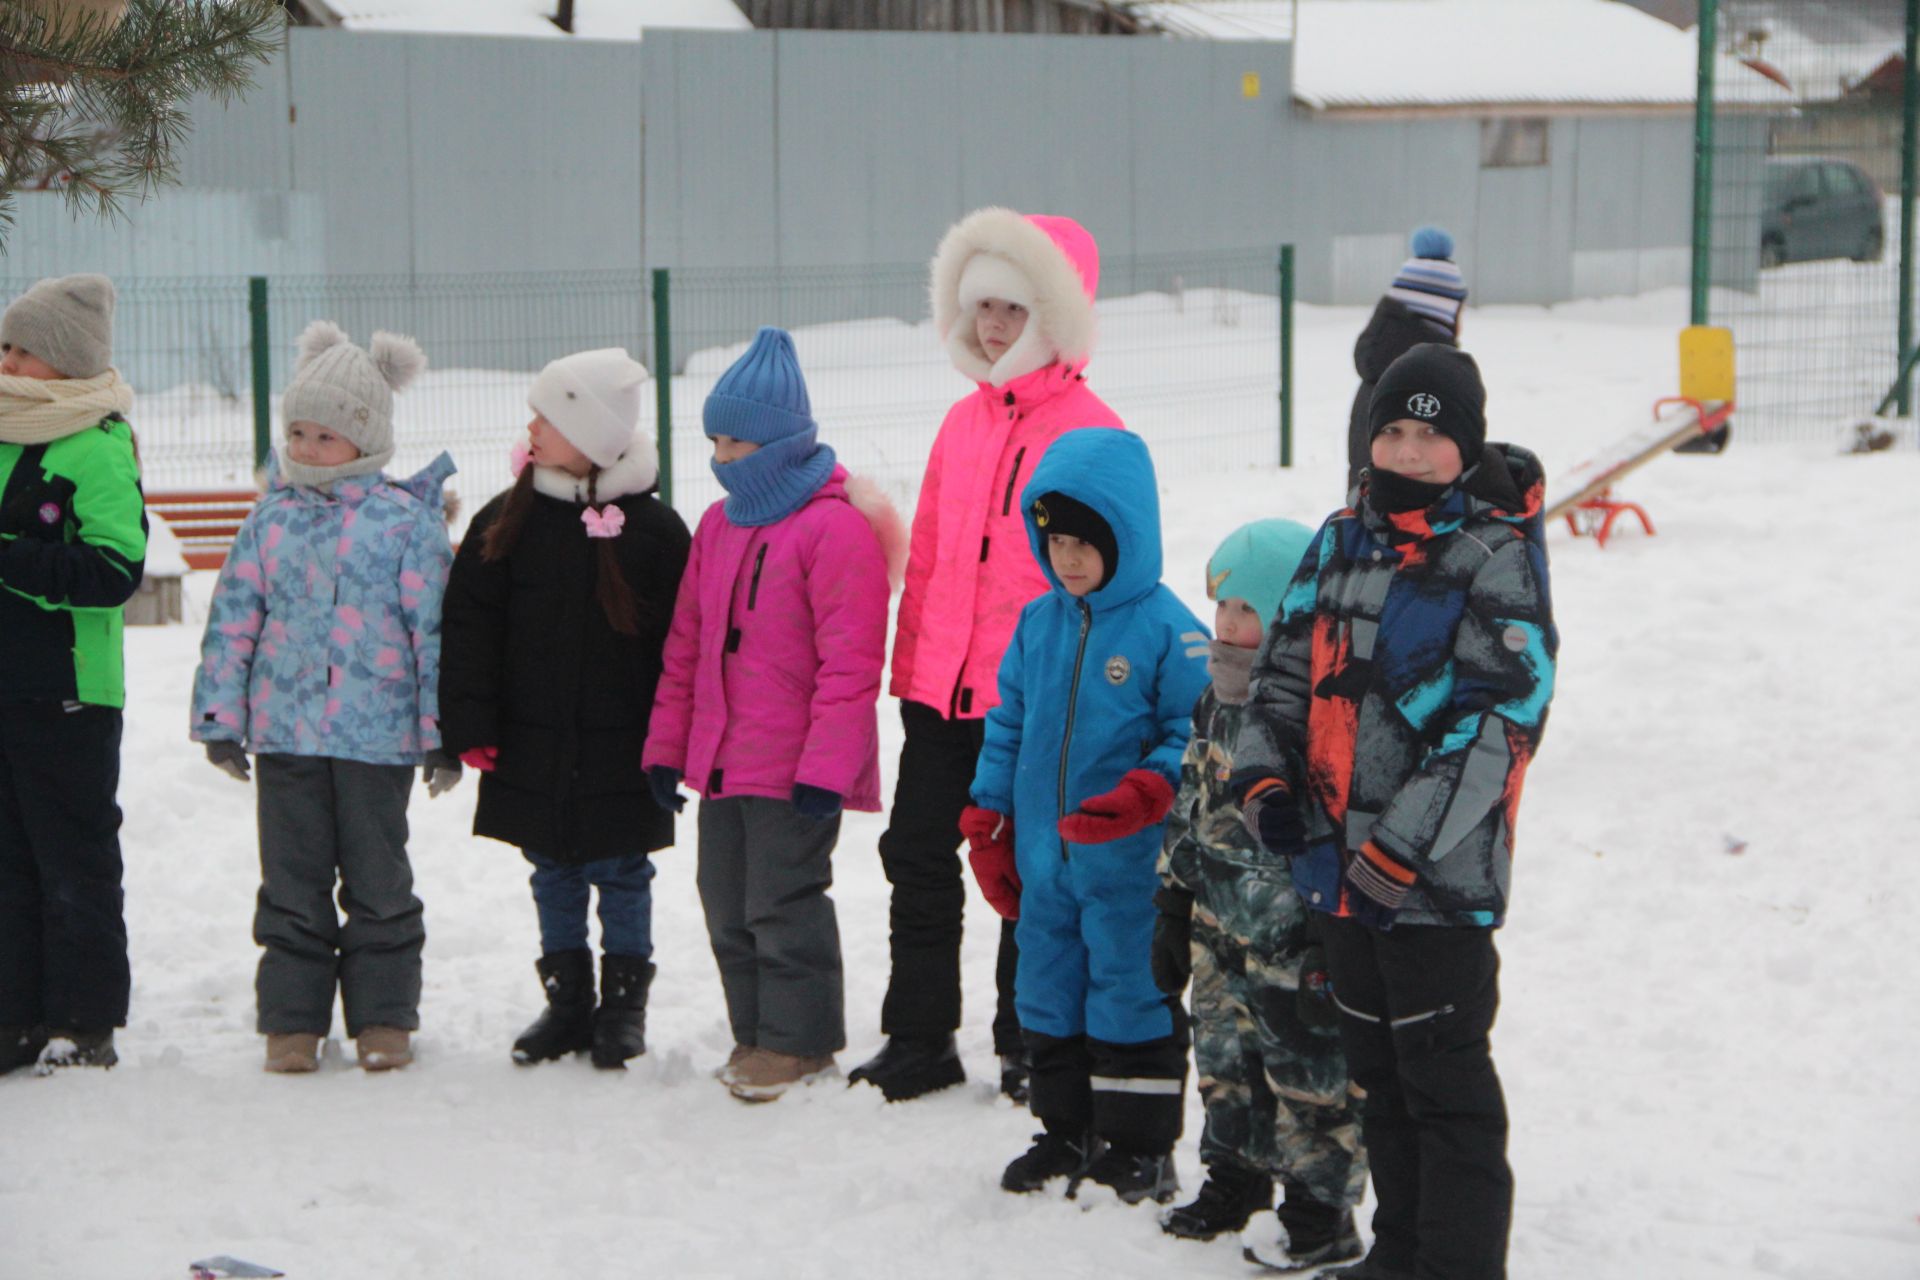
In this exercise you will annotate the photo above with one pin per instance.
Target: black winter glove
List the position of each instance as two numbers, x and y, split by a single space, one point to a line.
1271 815
230 758
813 802
1172 940
664 782
440 771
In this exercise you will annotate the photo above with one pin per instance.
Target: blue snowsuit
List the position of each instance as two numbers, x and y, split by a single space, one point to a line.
1090 688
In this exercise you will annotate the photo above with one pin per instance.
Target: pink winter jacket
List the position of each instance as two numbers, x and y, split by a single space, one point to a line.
969 569
771 670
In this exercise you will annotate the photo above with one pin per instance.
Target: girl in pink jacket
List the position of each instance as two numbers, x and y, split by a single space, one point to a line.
766 707
1013 301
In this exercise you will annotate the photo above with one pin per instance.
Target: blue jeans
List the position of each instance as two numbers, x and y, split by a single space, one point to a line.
560 894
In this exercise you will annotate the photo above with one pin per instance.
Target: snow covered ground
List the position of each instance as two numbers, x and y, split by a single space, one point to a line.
1710 1029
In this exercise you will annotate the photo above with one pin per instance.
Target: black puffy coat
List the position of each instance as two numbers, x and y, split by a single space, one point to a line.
1394 330
530 664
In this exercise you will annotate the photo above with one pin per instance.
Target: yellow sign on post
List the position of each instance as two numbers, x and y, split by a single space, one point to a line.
1706 363
1250 85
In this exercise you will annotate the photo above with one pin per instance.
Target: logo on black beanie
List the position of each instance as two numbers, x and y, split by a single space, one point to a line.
1424 405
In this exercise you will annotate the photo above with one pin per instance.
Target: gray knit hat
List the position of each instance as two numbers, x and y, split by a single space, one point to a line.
66 321
349 391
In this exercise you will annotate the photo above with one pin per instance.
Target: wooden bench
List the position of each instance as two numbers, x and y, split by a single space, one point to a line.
205 520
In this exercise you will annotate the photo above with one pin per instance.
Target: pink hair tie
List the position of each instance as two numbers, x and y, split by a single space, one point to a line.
518 457
607 522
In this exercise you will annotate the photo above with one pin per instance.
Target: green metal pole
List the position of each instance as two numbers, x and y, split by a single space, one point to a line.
1909 114
261 341
1703 159
1286 353
663 380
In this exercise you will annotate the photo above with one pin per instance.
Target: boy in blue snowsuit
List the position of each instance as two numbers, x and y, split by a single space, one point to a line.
1074 781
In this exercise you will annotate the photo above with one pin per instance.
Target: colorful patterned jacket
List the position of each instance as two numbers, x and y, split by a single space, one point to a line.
323 638
1402 690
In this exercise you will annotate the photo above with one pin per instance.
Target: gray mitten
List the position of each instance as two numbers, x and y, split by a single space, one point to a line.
230 758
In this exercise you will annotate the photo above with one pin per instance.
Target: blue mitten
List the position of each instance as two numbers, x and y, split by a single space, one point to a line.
817 803
664 782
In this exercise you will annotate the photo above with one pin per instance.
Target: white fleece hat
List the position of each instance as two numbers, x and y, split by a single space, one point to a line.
593 399
988 275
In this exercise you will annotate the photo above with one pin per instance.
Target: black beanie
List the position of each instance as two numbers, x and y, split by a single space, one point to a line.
1055 512
1438 384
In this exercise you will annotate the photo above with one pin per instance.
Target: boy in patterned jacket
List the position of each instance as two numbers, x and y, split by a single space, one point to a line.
322 657
1075 777
1272 1075
1397 700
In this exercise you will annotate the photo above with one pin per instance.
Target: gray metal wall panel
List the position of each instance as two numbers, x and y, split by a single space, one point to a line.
351 143
171 234
245 142
711 183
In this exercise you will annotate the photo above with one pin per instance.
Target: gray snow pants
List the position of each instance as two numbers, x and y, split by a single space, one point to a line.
764 873
320 818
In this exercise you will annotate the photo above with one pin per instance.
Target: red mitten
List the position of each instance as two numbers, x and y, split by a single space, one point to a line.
481 758
1142 799
990 854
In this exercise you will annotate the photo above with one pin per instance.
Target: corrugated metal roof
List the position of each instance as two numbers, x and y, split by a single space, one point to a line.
592 19
1416 54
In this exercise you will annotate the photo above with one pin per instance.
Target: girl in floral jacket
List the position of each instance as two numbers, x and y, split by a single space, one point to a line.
322 657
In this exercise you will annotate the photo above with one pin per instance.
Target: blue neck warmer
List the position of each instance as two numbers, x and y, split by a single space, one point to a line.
773 481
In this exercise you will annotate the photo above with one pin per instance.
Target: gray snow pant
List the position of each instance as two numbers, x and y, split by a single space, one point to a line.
764 873
321 817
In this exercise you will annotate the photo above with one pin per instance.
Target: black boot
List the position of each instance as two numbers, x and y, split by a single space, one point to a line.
566 1024
906 1068
1312 1235
1133 1175
78 1049
620 1028
1231 1194
1054 1154
20 1047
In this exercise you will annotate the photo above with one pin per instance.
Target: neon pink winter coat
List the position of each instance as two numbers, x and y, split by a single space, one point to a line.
772 668
969 568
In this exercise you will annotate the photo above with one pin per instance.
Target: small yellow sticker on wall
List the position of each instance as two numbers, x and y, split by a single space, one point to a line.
1250 85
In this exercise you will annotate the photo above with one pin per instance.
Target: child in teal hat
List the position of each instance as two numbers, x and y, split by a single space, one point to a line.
1266 1046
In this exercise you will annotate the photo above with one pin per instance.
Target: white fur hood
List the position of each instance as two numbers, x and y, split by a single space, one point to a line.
1052 261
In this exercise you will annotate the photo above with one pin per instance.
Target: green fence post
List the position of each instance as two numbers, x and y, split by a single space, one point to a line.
663 381
1703 159
1909 113
261 342
1286 354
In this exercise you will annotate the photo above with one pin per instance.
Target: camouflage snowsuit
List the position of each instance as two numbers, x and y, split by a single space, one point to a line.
1272 1075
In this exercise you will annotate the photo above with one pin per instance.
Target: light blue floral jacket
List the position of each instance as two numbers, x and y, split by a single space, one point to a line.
323 638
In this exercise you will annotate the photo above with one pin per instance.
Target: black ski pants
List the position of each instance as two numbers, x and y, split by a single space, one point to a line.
63 933
1417 1003
920 855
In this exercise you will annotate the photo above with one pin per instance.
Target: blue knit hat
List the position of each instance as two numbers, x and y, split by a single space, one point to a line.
761 397
1429 283
1256 562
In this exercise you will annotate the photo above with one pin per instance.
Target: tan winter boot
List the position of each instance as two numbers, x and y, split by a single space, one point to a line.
728 1073
765 1074
292 1053
384 1048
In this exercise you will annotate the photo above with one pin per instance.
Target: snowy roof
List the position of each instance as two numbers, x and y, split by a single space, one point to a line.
1822 53
592 19
1414 54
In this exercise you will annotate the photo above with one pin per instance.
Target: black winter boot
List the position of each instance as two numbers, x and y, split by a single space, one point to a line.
620 1028
566 1025
1133 1175
907 1068
1052 1155
1231 1194
20 1047
78 1049
1313 1235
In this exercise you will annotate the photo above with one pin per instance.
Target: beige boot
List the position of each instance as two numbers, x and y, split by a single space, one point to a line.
730 1072
384 1048
293 1053
765 1074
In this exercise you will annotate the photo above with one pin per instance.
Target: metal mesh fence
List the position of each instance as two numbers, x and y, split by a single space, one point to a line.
1806 214
1188 355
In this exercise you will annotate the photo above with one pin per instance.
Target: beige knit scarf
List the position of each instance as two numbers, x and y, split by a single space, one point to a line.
42 410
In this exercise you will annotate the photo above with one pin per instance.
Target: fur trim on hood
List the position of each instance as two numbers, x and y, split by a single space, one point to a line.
871 501
1054 257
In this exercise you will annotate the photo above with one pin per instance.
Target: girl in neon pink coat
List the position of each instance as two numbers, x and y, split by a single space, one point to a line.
1013 302
766 707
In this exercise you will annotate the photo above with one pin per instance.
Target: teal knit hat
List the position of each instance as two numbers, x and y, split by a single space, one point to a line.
1255 563
761 397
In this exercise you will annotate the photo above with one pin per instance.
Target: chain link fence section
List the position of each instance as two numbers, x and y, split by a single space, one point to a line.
1805 229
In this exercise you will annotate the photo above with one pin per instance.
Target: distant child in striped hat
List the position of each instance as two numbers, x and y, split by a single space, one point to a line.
1423 304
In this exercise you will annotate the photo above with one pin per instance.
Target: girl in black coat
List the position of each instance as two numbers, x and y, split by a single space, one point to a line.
1421 305
556 613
